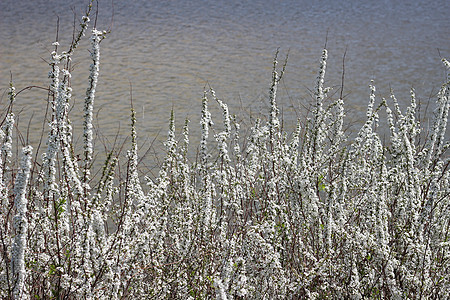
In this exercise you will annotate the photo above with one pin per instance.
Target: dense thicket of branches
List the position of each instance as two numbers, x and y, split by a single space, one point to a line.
315 215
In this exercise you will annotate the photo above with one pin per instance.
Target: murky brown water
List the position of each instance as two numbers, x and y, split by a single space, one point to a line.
169 50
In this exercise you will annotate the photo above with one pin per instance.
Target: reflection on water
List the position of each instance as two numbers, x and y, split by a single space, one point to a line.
169 50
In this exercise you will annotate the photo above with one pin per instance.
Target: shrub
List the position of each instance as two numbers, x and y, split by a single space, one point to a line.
316 215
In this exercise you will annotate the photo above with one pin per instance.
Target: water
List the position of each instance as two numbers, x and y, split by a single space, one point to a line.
169 50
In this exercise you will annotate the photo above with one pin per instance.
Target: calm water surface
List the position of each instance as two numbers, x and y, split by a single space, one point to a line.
169 50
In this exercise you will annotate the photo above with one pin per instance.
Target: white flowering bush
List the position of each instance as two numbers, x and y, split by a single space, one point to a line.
311 215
